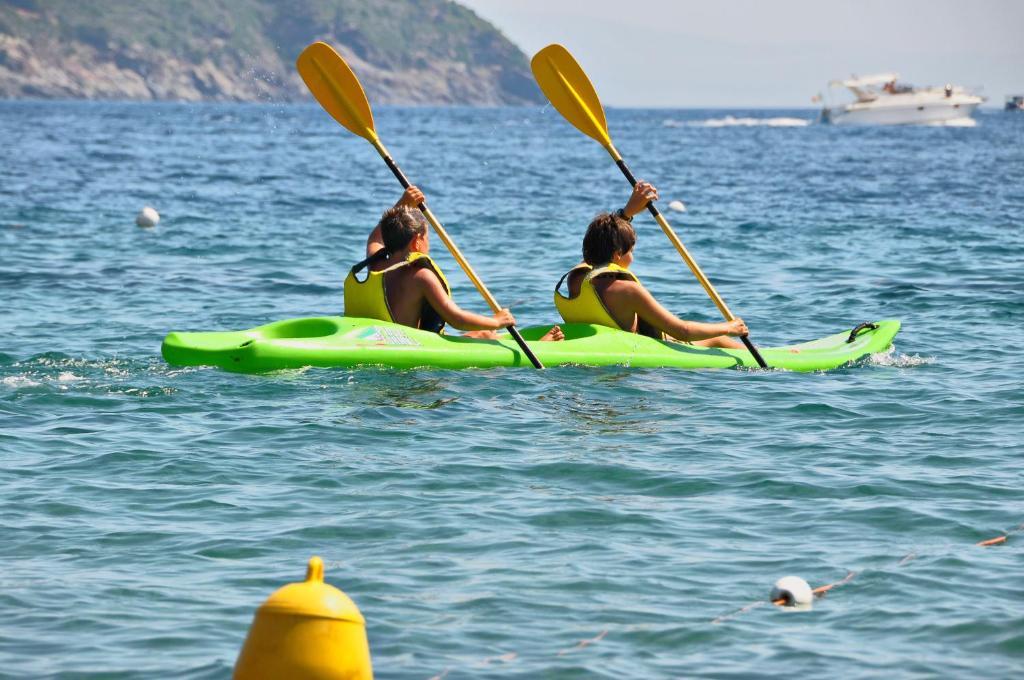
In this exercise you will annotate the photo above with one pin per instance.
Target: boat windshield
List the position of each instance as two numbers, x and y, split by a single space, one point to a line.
869 88
893 87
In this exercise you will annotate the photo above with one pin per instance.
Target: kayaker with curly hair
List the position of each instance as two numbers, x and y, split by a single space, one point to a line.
602 290
405 286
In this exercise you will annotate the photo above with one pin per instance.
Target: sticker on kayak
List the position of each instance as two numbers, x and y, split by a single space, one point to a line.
385 336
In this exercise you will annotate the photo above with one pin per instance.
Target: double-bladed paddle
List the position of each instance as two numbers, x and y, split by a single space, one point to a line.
570 91
338 90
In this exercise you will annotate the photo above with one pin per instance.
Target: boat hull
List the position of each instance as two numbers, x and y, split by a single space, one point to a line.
350 342
910 114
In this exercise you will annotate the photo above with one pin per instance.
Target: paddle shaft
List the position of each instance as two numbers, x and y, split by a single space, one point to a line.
443 235
690 262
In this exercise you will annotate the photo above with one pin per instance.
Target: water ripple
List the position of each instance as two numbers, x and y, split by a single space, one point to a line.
580 522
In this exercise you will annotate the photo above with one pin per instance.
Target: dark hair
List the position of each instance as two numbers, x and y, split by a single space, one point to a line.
607 236
400 225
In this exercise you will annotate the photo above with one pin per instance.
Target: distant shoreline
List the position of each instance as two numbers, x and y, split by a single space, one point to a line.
213 102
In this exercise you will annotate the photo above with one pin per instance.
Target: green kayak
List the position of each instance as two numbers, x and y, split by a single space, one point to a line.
346 341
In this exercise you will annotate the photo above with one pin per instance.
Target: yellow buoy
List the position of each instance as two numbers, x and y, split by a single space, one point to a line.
308 630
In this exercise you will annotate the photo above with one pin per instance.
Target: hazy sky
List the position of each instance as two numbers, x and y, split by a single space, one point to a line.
769 52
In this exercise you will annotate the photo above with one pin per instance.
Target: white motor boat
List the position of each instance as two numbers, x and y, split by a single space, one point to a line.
881 100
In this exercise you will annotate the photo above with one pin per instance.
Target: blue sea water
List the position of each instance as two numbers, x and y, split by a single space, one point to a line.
571 523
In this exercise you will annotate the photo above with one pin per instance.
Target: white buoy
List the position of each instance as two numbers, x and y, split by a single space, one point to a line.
794 591
147 217
678 206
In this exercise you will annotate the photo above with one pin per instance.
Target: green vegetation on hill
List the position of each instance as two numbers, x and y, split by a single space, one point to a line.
406 51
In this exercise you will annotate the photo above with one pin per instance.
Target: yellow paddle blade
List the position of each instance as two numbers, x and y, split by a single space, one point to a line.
570 91
337 88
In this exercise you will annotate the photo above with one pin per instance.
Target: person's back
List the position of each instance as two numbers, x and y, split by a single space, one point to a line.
404 290
410 288
614 291
602 290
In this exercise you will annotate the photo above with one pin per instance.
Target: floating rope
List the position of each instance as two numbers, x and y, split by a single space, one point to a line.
999 540
585 643
821 590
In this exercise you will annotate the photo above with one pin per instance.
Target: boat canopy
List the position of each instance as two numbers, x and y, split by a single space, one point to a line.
867 81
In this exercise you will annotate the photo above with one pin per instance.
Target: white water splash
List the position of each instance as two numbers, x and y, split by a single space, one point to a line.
19 381
892 358
732 121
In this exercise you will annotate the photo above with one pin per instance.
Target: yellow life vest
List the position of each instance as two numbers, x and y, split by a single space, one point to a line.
368 298
588 307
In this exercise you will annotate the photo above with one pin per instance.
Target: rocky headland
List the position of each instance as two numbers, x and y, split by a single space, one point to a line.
404 51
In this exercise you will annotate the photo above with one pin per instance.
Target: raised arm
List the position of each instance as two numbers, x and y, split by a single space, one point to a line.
412 197
456 316
643 193
650 310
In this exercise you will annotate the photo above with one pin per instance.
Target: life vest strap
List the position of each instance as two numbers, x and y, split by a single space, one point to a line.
381 254
581 266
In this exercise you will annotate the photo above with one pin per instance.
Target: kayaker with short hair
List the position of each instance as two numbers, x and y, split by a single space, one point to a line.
405 286
603 291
